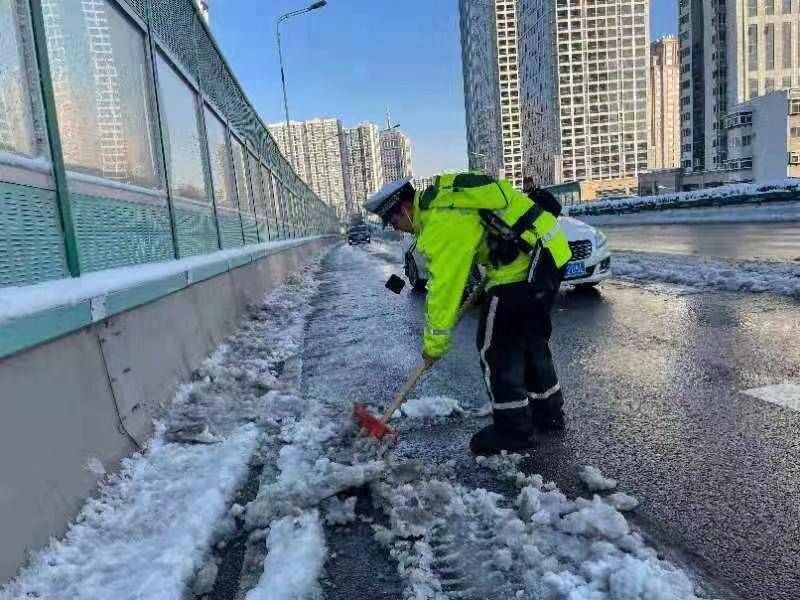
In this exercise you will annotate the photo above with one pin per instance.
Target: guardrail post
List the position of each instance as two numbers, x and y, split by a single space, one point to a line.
162 151
54 139
204 135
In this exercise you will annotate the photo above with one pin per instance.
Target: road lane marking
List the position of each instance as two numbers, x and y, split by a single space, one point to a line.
782 394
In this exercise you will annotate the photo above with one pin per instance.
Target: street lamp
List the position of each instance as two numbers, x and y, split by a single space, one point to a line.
282 18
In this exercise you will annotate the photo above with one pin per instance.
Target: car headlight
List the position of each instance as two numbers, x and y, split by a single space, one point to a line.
601 241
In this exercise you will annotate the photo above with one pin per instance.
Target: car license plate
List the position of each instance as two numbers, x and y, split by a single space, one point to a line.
575 269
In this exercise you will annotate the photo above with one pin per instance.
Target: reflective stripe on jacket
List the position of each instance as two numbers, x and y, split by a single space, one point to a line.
452 237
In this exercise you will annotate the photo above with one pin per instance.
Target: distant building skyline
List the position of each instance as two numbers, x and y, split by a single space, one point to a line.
731 53
364 162
344 166
319 157
395 155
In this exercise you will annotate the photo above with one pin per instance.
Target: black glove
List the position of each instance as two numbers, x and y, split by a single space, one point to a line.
546 200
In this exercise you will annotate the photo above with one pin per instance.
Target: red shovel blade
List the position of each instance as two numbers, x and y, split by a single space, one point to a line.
369 422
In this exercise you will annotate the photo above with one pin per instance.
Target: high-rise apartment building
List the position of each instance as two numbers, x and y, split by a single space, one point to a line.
364 162
507 65
299 149
491 87
481 89
665 125
319 157
731 52
395 155
584 91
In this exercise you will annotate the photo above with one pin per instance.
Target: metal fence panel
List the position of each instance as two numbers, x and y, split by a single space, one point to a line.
115 233
31 244
118 214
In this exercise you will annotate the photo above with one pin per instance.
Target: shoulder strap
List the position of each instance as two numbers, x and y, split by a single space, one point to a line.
525 222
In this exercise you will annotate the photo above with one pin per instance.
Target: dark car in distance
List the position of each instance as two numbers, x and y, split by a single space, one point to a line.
358 234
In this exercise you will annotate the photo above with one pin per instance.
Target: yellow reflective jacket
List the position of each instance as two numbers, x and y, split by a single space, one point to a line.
451 236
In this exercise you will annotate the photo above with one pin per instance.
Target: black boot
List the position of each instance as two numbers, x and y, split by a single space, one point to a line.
548 414
490 440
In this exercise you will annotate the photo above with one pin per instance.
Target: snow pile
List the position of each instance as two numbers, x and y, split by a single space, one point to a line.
621 501
453 541
594 479
431 406
95 466
784 189
339 512
295 556
773 212
153 526
149 529
709 273
305 480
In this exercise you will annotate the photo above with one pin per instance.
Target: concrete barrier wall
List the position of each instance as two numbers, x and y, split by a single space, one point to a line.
64 402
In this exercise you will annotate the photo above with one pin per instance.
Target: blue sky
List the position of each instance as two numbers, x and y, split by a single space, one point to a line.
353 57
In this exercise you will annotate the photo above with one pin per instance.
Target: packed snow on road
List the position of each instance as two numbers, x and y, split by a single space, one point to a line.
774 212
158 528
707 273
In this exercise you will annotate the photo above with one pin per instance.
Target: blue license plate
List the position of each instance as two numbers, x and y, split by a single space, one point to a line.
575 269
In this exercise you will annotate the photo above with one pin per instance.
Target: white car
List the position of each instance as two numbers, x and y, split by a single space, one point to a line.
590 264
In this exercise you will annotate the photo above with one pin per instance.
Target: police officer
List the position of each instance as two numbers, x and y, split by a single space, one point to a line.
468 218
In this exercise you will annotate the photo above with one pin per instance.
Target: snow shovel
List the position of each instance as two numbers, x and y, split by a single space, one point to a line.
378 428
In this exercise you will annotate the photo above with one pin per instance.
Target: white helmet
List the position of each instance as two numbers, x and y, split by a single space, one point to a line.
385 199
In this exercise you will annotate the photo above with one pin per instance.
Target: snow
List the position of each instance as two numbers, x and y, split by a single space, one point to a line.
20 301
450 539
594 479
731 193
621 501
339 512
39 164
95 466
151 530
786 395
147 531
205 579
765 213
431 406
709 273
295 555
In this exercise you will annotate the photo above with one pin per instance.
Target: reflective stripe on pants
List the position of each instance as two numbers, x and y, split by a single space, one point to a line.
513 341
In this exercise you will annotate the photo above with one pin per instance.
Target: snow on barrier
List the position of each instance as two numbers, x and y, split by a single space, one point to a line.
739 193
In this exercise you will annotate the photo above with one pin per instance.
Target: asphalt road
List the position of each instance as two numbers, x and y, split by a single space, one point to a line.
653 384
760 241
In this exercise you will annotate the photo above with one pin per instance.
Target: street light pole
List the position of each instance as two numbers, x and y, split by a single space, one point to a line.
282 18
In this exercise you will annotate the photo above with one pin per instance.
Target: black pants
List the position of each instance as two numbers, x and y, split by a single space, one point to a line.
513 342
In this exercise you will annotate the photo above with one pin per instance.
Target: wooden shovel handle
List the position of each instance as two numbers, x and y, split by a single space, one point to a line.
420 370
403 392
